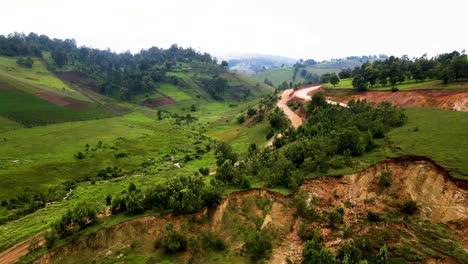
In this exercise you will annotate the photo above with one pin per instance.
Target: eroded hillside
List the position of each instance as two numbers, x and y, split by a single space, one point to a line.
373 205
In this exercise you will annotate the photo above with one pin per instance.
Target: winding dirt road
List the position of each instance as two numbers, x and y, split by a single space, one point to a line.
302 94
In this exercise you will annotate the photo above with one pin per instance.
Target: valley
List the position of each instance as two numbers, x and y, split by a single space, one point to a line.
168 156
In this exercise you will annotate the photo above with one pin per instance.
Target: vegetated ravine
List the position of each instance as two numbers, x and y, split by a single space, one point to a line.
442 204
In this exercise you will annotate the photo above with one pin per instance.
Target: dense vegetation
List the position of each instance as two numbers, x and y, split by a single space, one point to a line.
123 75
328 139
448 67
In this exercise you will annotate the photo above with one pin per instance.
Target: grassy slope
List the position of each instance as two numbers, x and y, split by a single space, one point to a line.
19 103
38 74
278 75
27 168
438 134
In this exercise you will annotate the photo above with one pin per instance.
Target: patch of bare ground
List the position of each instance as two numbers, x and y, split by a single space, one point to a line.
78 79
422 98
440 199
155 103
63 101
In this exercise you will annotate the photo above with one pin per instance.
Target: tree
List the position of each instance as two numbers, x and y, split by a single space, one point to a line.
224 64
224 152
334 79
108 200
318 100
26 62
258 246
360 83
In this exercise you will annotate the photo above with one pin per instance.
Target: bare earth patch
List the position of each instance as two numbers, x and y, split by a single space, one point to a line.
62 101
435 99
155 103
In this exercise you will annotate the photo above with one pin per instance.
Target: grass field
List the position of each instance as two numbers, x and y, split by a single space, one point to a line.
30 110
438 134
38 74
173 92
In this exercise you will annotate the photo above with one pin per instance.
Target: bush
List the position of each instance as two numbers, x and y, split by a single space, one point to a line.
385 179
336 216
25 62
314 252
373 217
173 241
212 242
394 89
258 246
204 171
241 119
410 207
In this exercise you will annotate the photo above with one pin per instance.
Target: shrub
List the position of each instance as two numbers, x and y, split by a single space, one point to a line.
385 179
410 207
173 241
80 155
258 246
212 242
373 217
25 62
394 89
314 252
204 171
336 216
241 119
108 200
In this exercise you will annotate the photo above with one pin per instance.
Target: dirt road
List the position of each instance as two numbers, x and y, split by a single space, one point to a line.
287 95
14 253
303 95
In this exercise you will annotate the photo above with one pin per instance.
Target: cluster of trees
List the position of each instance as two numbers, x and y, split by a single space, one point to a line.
77 219
329 138
360 251
448 67
123 75
330 78
21 206
26 62
179 195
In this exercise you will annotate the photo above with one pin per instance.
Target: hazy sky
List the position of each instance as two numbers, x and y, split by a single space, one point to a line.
319 29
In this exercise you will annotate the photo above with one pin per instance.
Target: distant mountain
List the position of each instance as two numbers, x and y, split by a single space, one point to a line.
250 64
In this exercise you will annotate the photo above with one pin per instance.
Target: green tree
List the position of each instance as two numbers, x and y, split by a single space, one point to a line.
26 62
334 79
224 152
258 246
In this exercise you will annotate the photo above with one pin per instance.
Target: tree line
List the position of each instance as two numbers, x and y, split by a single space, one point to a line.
121 75
448 67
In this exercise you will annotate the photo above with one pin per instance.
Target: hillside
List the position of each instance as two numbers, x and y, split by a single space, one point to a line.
372 219
281 74
34 96
249 64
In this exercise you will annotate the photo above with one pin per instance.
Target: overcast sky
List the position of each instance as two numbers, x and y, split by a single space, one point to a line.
319 29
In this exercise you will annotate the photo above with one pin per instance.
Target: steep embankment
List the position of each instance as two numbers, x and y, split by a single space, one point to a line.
440 199
435 99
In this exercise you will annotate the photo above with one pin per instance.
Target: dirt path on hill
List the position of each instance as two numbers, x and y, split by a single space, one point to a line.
14 253
302 94
287 95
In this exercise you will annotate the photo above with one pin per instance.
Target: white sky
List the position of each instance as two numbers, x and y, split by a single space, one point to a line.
320 29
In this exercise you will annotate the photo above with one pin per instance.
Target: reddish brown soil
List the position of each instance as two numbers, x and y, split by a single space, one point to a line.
62 101
78 79
435 99
155 103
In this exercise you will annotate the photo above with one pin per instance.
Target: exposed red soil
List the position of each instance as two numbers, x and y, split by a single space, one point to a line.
62 101
155 103
435 99
78 79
